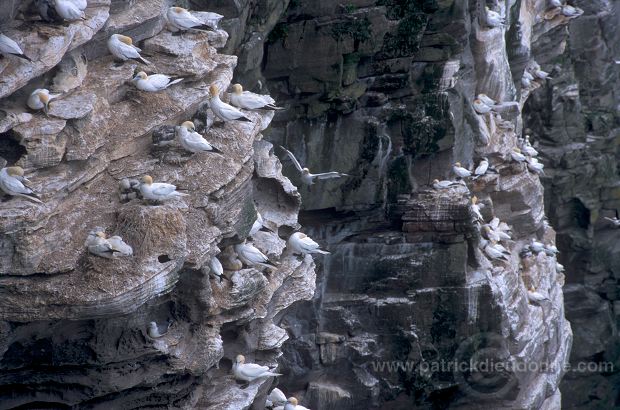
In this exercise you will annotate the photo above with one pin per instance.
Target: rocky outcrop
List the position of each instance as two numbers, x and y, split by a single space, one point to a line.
74 325
382 90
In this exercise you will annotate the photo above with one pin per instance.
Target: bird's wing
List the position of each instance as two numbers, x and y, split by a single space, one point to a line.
161 188
196 139
128 51
229 111
8 45
290 154
329 175
261 98
15 185
186 20
159 80
307 241
253 369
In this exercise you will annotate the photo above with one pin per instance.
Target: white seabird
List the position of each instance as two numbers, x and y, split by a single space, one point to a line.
517 155
154 82
10 47
551 250
570 11
460 171
215 266
191 140
251 101
13 182
482 167
158 191
258 224
308 178
153 331
535 166
536 246
492 251
559 267
68 10
40 99
527 79
251 256
535 297
481 107
486 100
119 246
493 18
437 184
182 19
490 234
250 371
80 4
527 148
300 243
223 111
122 48
475 207
275 398
97 244
615 221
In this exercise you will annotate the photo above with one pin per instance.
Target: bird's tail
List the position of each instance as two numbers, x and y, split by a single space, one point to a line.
321 251
175 80
272 374
33 197
24 56
204 27
273 107
142 60
177 193
246 119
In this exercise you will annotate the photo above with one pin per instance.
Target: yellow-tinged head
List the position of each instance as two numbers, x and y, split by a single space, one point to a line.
302 235
188 125
517 150
214 91
178 10
44 97
474 199
101 234
237 88
141 75
147 179
305 170
457 164
124 39
15 171
293 401
477 101
240 359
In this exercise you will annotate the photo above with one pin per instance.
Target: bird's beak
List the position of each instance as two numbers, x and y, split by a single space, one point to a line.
136 78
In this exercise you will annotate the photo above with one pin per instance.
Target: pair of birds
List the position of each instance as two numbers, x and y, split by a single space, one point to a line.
483 104
533 73
111 248
277 400
480 170
532 162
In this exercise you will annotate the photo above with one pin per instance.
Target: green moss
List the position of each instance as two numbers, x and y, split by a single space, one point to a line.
279 32
356 28
413 19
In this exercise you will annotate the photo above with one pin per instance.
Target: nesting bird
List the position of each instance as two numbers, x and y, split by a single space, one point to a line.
191 140
155 82
215 266
69 10
517 156
526 147
495 251
158 191
122 48
223 111
153 331
445 184
250 371
10 47
251 256
460 171
13 182
258 224
120 247
475 207
40 99
535 166
535 297
300 243
482 167
306 176
111 248
275 398
481 107
181 19
251 101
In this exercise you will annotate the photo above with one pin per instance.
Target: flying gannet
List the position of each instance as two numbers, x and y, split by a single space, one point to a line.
13 182
251 101
308 178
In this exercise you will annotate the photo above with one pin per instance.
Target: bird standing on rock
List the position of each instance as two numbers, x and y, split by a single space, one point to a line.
40 99
460 171
251 101
10 47
308 178
182 20
250 371
13 182
251 256
437 184
122 47
300 243
155 82
191 140
223 111
68 10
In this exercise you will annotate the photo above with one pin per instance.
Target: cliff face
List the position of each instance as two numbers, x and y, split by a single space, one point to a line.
74 325
382 90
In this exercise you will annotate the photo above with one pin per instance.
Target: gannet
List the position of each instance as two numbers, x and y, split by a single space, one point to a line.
68 10
527 148
251 256
97 244
559 267
308 178
122 48
275 398
482 167
13 182
615 221
570 11
517 155
80 4
154 82
481 107
535 297
527 79
215 266
551 250
10 47
153 331
291 404
251 101
191 140
47 11
437 184
486 100
494 19
258 224
492 251
158 191
181 19
250 371
460 171
536 246
490 234
535 166
555 3
40 99
223 111
300 243
476 208
119 247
